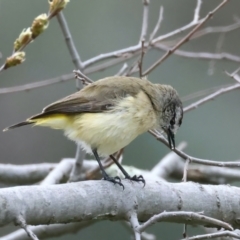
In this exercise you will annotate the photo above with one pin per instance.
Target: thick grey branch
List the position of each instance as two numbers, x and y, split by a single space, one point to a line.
62 170
89 200
47 231
24 174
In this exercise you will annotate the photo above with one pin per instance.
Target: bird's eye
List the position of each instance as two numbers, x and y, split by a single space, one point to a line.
172 122
180 122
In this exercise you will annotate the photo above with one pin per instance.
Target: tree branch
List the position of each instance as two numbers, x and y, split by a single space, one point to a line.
76 202
185 39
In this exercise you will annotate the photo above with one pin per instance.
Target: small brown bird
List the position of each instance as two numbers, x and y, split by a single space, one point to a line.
108 114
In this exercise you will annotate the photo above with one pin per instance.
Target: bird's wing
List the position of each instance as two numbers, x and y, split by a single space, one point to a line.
96 97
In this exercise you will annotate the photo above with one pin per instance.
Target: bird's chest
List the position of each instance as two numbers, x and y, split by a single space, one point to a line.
110 131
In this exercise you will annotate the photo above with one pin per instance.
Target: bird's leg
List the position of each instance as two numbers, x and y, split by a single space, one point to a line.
115 180
127 176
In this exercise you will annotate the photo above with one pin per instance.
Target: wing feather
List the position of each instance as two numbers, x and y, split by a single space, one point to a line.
96 97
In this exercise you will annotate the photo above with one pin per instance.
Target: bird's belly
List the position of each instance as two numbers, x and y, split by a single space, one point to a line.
106 132
110 131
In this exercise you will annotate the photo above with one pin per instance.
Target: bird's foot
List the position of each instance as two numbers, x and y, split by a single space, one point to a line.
137 179
115 180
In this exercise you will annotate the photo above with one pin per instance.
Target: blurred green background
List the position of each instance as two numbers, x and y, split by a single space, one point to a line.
212 131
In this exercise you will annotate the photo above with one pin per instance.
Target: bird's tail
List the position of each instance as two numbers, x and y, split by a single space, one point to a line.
17 125
53 120
31 120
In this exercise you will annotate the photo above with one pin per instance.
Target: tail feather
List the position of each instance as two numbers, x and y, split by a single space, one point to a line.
53 120
17 125
27 122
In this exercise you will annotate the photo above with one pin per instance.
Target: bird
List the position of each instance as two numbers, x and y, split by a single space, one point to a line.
108 114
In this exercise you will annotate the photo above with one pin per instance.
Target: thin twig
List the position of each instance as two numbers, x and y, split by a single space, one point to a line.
70 44
22 223
122 70
216 29
210 97
77 168
185 216
197 11
203 174
201 55
158 25
122 53
234 75
185 39
214 235
144 235
62 170
78 73
218 49
184 28
30 86
144 20
167 164
185 230
49 231
185 156
140 62
185 170
135 225
204 92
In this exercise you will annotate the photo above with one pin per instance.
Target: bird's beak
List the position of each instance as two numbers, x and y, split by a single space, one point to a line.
171 139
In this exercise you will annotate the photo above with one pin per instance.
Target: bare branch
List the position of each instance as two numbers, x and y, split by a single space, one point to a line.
167 164
234 75
185 156
202 55
30 86
135 225
62 170
24 174
188 216
77 168
214 235
122 70
143 34
204 174
123 53
41 203
185 39
47 231
157 27
184 28
218 29
78 73
140 62
71 46
22 223
185 170
210 97
197 11
218 49
69 41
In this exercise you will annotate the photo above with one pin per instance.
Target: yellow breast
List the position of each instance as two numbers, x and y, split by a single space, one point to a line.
110 131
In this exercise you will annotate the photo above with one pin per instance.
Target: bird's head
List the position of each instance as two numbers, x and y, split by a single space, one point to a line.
171 112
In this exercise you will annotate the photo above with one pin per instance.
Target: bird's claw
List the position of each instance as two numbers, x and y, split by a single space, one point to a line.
115 180
138 179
